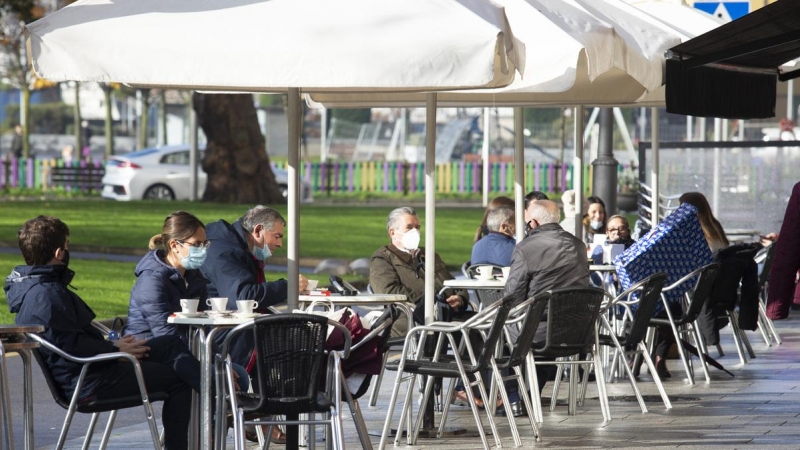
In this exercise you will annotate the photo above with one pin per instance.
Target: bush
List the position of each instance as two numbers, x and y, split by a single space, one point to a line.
46 118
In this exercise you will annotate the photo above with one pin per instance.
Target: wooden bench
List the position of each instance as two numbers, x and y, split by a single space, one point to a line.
80 178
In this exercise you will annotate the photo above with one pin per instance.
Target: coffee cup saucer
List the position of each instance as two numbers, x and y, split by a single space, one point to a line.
188 314
212 313
245 315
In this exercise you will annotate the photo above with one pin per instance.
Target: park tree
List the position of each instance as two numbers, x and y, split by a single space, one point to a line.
236 160
14 14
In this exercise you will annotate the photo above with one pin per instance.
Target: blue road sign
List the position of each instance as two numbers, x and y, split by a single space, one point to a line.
731 10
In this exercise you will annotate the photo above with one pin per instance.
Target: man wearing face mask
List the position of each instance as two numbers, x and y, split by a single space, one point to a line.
39 293
398 268
235 263
497 246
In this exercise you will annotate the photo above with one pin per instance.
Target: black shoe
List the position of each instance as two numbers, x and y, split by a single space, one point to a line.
517 409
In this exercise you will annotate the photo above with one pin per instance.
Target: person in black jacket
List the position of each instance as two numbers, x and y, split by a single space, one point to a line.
37 292
234 266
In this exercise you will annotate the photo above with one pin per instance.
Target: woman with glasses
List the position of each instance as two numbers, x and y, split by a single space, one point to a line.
169 272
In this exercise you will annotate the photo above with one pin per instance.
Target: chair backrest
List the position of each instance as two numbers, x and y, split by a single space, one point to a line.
485 296
369 289
496 330
770 254
571 316
533 316
701 292
55 388
649 298
290 353
464 268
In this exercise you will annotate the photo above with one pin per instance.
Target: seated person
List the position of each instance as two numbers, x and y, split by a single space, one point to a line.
399 268
533 196
618 232
165 275
38 294
496 202
594 221
712 229
496 247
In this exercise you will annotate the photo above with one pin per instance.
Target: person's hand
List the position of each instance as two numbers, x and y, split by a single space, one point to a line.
769 239
455 302
129 344
303 283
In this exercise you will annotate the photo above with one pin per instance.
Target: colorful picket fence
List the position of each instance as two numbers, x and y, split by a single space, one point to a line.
351 177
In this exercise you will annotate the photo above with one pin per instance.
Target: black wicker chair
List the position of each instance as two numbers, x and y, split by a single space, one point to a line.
633 314
485 296
571 330
295 375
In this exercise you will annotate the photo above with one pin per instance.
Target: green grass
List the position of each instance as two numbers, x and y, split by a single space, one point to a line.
336 231
326 231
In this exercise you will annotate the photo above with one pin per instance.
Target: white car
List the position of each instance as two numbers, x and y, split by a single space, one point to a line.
162 173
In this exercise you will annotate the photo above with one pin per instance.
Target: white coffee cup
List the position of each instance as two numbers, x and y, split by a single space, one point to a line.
506 271
485 272
189 305
246 306
217 303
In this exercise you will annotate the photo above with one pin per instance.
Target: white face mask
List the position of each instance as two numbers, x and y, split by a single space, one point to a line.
596 225
410 239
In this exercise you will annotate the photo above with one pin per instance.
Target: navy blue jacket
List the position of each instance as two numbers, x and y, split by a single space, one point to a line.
494 248
157 293
232 272
39 296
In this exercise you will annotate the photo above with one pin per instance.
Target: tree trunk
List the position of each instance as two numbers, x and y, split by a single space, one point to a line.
25 120
162 117
76 119
144 120
236 160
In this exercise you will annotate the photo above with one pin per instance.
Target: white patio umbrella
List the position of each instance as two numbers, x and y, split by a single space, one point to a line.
279 46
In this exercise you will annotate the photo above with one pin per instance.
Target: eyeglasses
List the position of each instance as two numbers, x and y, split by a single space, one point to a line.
201 244
616 230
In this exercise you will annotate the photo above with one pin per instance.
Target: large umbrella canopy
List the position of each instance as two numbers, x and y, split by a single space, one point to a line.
591 52
260 45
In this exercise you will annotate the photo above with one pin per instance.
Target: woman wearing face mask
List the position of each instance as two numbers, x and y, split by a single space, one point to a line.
594 221
166 274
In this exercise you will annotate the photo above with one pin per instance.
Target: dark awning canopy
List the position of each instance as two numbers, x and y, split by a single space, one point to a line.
731 71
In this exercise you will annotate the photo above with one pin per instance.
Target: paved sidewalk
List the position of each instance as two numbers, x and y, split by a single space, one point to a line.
758 408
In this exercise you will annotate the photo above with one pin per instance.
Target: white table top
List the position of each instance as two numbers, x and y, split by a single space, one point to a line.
205 320
354 299
475 284
602 268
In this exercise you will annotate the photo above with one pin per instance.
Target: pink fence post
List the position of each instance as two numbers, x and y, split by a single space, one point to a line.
461 176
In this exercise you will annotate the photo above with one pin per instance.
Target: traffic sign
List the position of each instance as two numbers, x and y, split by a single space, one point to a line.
730 10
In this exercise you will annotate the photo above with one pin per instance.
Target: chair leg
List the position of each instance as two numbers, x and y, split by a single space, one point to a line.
645 353
533 387
700 344
373 395
358 419
619 350
770 324
737 336
746 342
682 353
512 424
107 433
62 438
556 386
87 439
720 352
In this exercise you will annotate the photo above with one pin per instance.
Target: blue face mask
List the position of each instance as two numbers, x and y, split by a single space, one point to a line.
195 258
262 253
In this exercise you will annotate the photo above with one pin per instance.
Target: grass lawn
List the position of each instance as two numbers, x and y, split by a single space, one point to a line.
338 231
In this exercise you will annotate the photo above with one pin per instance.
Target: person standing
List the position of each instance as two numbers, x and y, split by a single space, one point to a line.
16 142
786 261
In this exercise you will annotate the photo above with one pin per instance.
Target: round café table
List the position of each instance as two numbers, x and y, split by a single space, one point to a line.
13 339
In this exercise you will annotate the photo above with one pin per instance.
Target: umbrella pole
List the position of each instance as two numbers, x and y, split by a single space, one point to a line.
519 171
293 206
655 203
577 167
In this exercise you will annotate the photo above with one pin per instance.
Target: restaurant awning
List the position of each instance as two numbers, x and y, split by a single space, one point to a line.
731 71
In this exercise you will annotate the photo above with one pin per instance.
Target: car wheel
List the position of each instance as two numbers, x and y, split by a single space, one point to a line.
159 192
284 190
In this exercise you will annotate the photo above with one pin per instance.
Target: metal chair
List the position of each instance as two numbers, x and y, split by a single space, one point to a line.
448 366
631 330
95 407
685 323
571 330
291 357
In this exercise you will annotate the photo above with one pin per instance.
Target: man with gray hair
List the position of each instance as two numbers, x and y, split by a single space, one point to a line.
497 246
234 264
547 258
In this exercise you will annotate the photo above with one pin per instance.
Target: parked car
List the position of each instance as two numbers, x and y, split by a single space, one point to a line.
162 173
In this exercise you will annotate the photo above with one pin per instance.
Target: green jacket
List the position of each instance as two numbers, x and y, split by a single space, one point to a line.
392 271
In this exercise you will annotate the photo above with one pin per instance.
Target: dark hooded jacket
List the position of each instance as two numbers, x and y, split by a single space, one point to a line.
38 295
157 293
232 271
